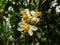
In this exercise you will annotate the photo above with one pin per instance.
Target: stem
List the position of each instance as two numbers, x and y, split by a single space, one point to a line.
26 39
37 5
33 43
7 42
29 4
33 40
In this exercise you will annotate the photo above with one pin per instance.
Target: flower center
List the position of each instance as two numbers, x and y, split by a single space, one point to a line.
29 20
26 28
24 17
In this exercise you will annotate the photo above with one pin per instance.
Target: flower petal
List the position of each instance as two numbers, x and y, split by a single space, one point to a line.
27 12
37 20
21 24
30 32
20 29
58 9
32 13
33 28
34 19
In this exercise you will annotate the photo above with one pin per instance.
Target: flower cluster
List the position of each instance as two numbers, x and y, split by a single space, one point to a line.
28 21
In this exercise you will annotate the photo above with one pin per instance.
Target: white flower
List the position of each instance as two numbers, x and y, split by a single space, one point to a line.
34 17
37 43
6 12
49 10
13 2
19 2
28 1
10 8
54 4
27 28
8 25
11 38
58 9
54 0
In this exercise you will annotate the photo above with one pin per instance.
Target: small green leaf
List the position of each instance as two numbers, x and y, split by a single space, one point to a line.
38 35
43 39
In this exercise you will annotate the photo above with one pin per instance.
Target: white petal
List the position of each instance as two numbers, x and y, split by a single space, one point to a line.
27 12
58 8
28 1
13 2
37 43
32 13
34 19
30 32
20 29
54 4
38 20
21 24
33 28
10 8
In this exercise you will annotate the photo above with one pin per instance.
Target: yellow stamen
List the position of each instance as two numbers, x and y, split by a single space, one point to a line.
38 14
22 12
29 20
24 16
26 28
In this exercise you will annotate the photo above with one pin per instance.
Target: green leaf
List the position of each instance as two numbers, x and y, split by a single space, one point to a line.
43 39
38 35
